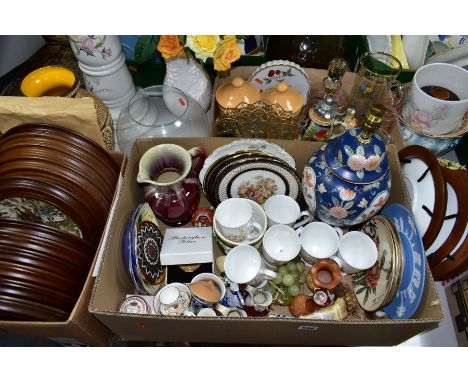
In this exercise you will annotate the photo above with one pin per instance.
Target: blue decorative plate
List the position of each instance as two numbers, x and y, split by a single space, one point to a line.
408 297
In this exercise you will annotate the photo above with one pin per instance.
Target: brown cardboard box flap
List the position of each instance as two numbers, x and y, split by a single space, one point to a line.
78 114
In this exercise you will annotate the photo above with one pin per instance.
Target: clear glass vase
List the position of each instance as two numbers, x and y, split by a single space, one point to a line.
160 111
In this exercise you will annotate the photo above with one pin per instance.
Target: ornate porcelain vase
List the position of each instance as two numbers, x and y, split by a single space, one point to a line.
348 180
170 185
190 77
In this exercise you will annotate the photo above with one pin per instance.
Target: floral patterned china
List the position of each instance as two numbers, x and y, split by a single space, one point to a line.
373 285
256 179
272 73
245 145
406 302
348 180
172 307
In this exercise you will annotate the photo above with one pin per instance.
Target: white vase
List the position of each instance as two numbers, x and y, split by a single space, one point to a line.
190 77
102 62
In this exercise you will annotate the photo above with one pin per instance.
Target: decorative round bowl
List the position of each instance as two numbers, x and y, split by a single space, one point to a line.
54 80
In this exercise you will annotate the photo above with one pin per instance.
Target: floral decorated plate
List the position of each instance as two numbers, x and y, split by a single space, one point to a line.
245 145
409 294
271 73
372 286
257 180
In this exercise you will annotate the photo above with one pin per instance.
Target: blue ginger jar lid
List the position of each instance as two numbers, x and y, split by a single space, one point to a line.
358 156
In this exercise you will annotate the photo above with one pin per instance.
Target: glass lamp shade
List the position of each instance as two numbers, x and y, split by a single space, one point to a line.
160 111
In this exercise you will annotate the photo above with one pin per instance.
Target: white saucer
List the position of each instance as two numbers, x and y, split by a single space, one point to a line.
421 193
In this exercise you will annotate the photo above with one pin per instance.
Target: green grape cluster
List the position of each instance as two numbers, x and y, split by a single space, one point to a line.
287 284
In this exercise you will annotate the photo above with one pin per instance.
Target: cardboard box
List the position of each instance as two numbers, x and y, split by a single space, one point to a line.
113 284
81 328
457 298
316 77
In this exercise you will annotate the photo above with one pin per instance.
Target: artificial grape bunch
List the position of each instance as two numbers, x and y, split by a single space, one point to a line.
287 284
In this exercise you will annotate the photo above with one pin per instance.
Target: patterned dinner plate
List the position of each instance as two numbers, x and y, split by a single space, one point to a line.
373 285
271 73
257 180
245 145
406 302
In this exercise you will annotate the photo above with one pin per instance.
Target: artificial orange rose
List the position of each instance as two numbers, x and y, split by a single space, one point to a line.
169 46
227 52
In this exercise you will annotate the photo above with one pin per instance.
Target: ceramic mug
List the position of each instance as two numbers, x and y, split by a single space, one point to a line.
244 265
435 113
216 282
356 252
282 209
235 220
318 241
280 244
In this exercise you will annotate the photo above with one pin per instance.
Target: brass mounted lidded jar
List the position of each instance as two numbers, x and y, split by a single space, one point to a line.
244 111
348 180
328 116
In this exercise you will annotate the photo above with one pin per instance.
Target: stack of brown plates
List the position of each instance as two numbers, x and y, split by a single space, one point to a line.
56 189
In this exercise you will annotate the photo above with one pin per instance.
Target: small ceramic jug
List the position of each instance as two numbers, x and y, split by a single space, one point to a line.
170 185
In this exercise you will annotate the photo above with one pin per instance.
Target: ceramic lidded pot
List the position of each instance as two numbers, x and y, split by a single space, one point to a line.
348 180
230 94
285 96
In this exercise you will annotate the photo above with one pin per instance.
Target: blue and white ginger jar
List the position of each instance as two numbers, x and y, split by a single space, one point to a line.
348 180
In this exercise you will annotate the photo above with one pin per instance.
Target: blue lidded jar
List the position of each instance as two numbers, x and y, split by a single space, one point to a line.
348 180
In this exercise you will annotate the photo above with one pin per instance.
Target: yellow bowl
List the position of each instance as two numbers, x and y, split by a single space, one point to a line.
58 81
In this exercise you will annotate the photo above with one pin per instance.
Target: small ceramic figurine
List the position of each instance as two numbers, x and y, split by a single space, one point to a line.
347 181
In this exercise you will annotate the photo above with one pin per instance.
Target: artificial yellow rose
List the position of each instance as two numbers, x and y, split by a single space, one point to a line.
202 45
169 46
228 51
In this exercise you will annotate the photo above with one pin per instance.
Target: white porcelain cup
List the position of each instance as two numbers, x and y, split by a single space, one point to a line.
282 209
280 244
318 241
235 219
356 252
435 115
244 265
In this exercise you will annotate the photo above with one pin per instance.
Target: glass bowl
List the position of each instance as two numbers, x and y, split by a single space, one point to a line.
160 111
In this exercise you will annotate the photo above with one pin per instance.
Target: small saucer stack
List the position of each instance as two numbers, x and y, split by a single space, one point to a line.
441 214
56 189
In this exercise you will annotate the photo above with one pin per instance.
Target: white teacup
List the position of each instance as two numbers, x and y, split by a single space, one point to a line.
172 300
282 209
235 219
244 265
318 241
436 115
356 252
280 244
